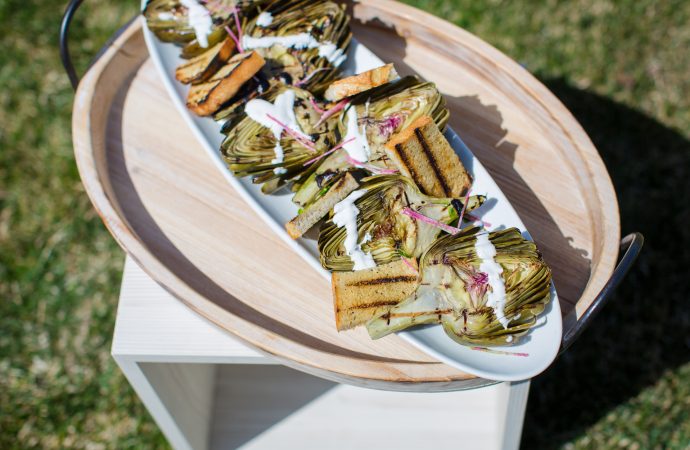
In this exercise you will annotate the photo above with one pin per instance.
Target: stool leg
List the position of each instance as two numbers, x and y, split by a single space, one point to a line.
178 396
514 403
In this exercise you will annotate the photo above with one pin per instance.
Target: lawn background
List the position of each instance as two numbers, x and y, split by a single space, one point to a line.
622 67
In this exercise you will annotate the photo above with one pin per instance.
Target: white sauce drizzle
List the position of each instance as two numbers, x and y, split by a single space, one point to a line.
345 215
283 110
327 50
166 15
358 148
332 53
265 19
200 20
497 295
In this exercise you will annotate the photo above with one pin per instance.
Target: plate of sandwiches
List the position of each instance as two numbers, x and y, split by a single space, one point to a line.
355 168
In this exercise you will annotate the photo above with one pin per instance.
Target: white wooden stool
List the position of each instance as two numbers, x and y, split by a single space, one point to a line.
205 389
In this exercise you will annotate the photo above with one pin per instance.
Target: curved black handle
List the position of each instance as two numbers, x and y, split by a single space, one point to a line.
64 45
631 245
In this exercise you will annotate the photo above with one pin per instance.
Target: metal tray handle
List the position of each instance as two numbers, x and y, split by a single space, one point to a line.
65 56
64 45
631 246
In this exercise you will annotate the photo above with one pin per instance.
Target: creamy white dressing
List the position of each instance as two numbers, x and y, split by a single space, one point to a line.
358 147
299 41
265 19
281 109
345 215
199 19
497 294
332 53
166 15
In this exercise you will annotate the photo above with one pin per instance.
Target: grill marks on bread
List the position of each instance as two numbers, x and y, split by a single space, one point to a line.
422 153
206 98
385 280
362 295
432 161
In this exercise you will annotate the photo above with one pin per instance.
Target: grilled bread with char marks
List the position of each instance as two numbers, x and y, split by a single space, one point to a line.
347 87
318 210
207 97
422 153
361 295
202 67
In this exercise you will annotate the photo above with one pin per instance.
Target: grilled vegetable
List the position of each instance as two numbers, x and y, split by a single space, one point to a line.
359 296
455 292
305 42
169 21
392 107
386 223
202 67
193 48
205 98
250 147
381 111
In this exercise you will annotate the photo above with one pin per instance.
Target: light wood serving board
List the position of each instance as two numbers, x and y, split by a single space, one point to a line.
172 211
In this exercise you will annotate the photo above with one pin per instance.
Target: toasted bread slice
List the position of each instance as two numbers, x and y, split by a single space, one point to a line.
316 211
364 294
202 67
206 98
422 153
364 81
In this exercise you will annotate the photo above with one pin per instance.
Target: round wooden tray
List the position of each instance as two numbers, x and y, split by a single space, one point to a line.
172 211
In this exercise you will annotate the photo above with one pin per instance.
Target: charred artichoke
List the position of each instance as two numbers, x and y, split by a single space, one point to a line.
304 42
456 292
381 112
250 147
387 228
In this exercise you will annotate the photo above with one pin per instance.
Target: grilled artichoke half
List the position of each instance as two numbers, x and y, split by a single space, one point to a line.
382 111
249 147
323 23
384 231
169 21
312 66
454 292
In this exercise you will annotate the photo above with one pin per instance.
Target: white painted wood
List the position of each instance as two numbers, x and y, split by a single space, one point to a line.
511 413
156 407
186 391
228 396
153 326
262 407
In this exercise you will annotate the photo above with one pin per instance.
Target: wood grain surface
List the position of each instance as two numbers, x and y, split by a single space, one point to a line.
172 211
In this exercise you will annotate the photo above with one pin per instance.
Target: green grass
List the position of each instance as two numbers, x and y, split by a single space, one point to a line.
621 67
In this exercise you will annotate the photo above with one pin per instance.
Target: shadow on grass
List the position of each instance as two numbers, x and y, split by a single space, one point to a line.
643 332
